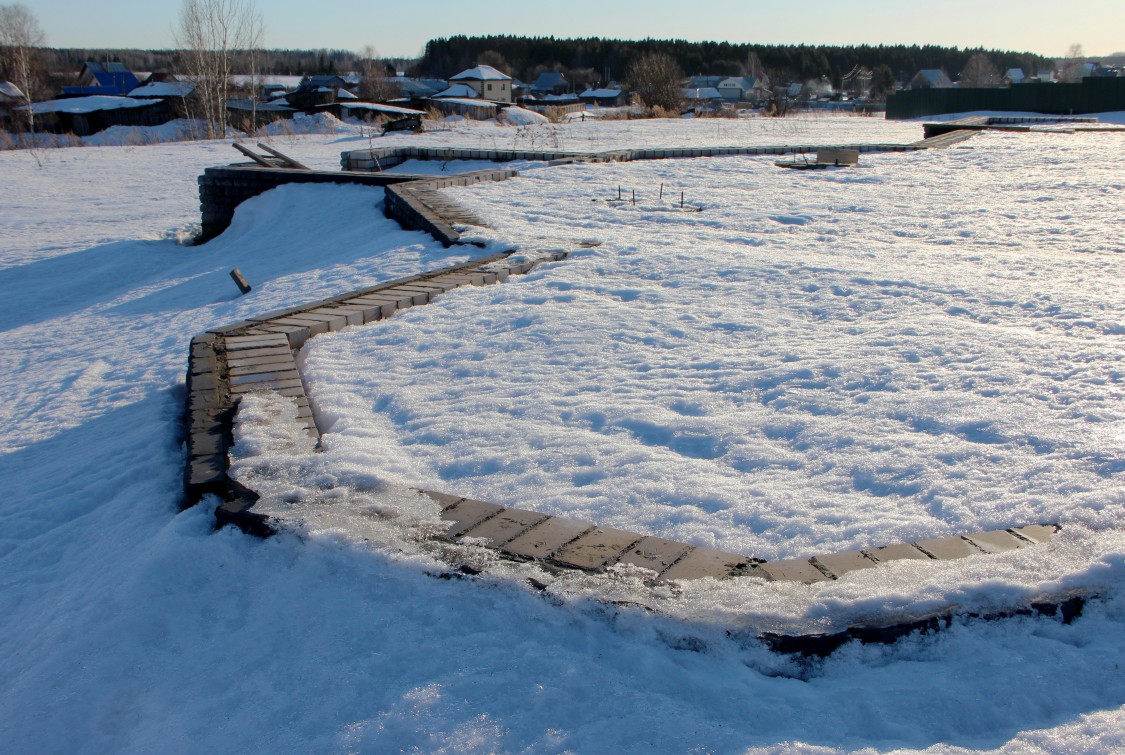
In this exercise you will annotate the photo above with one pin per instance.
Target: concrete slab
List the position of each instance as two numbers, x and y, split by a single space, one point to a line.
414 297
547 537
946 548
467 514
704 562
843 562
365 312
899 552
334 320
505 526
276 385
295 334
1036 533
204 381
260 353
595 549
236 363
315 327
242 343
351 317
793 570
443 500
384 306
207 443
401 301
997 541
207 469
263 377
654 553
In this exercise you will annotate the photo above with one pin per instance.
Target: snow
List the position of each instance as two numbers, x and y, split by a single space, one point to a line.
164 89
481 73
458 90
465 102
601 93
8 89
91 104
944 323
392 109
518 116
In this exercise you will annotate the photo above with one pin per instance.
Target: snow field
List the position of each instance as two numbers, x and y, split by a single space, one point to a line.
811 363
125 626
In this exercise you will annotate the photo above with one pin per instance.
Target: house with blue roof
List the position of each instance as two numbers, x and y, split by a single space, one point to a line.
103 79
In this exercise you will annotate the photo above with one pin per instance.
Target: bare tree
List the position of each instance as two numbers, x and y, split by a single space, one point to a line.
215 35
20 35
374 86
656 78
1071 69
980 71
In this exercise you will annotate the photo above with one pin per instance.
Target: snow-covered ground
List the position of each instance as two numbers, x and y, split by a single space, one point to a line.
927 344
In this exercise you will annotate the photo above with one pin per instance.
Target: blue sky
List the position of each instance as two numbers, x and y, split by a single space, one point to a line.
401 28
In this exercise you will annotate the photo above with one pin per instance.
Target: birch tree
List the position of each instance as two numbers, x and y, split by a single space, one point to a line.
980 72
657 79
20 35
215 35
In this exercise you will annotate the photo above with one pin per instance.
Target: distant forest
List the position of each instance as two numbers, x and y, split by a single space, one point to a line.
586 61
63 62
597 59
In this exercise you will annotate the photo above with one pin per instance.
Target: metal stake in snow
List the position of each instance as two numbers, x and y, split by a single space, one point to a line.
681 200
240 281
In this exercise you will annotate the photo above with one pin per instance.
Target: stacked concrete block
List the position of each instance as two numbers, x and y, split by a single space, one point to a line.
257 354
558 543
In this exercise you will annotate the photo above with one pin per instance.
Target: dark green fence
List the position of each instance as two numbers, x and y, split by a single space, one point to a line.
1092 95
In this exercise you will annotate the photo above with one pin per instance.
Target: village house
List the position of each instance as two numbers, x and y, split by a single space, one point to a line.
930 78
487 82
603 97
550 83
743 89
10 97
103 78
702 98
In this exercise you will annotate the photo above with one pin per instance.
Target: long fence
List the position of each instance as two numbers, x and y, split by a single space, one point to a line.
1091 95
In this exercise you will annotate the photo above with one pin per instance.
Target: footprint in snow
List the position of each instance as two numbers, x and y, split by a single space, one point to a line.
791 219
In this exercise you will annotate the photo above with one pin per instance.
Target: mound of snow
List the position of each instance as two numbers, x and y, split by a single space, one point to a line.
302 123
518 116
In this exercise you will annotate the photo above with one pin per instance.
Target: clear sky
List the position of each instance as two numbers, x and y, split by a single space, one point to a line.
401 28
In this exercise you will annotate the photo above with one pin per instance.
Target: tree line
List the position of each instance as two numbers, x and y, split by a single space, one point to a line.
63 61
595 59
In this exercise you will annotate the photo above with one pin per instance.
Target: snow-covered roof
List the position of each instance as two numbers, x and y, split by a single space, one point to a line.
702 82
702 93
418 87
344 94
601 93
466 102
458 90
549 81
164 89
8 89
481 73
1015 74
91 104
745 83
247 104
935 77
379 108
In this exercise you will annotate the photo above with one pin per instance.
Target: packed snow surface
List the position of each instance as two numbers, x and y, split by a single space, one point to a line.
790 362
